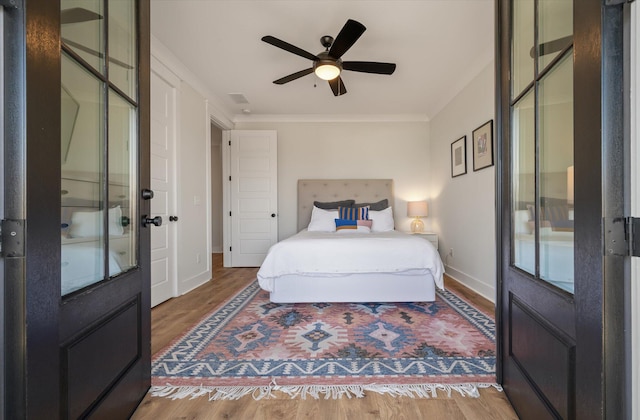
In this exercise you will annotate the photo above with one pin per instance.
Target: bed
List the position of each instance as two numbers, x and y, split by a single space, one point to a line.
374 264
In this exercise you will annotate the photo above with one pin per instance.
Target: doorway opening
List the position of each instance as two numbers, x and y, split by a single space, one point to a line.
217 207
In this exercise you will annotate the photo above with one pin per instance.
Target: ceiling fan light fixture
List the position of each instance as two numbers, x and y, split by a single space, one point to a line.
327 71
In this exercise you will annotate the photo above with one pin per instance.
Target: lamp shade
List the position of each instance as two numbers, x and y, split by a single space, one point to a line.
417 209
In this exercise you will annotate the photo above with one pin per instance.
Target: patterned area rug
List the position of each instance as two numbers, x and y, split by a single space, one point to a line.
252 346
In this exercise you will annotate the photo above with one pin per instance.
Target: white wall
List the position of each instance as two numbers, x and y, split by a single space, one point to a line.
462 209
395 150
194 190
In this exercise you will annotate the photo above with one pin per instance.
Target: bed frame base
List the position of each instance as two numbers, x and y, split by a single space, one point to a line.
354 288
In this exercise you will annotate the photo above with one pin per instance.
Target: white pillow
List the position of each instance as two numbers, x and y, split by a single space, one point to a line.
521 221
85 224
322 220
382 220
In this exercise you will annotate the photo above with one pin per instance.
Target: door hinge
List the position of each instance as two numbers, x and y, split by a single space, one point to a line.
229 177
12 238
229 214
9 4
622 236
229 249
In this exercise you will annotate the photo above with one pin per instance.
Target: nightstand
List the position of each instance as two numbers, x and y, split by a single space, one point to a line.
431 237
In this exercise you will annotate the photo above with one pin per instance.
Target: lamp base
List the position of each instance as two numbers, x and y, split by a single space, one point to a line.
417 225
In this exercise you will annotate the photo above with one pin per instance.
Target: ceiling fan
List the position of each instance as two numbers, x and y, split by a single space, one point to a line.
328 64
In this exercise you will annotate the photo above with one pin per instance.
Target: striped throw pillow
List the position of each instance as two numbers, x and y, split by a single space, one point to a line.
353 213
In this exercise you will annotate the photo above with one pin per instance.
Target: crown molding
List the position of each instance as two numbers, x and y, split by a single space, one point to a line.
273 118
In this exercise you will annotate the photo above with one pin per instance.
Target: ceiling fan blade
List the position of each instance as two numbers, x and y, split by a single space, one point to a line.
369 67
349 34
96 53
288 47
292 77
337 86
77 15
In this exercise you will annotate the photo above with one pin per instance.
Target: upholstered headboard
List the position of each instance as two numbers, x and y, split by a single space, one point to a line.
361 190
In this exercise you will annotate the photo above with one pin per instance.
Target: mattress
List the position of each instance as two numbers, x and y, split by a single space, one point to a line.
337 254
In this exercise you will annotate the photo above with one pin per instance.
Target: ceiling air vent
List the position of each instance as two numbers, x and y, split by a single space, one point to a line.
238 98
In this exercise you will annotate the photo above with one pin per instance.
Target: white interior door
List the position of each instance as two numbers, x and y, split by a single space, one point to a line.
254 196
163 140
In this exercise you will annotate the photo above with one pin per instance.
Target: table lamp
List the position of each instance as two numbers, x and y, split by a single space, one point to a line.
417 209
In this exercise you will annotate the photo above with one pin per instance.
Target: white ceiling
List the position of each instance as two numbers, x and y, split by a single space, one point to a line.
438 46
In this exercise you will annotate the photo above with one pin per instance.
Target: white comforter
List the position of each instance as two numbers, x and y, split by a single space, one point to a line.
336 253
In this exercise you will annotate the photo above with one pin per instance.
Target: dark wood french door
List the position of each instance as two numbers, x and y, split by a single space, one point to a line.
75 243
562 345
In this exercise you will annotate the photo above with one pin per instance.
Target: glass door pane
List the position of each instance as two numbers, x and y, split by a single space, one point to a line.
82 30
122 46
522 66
523 183
122 184
542 141
556 175
99 164
82 137
555 29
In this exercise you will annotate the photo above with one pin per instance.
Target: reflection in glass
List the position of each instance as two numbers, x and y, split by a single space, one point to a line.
556 175
523 183
69 114
122 46
555 29
122 184
82 30
82 178
522 66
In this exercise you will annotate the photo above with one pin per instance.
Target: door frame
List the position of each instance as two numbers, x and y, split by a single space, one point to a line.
26 117
635 199
2 342
602 162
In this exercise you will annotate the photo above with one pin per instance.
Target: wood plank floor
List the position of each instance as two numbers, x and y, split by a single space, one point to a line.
173 317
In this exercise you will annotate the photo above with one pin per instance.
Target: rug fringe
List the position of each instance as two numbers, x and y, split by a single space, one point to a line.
318 391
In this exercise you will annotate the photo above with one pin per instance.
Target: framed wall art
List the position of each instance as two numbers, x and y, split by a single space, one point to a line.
459 157
483 146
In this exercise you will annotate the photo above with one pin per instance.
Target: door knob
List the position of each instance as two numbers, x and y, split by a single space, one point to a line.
173 218
147 194
156 221
273 215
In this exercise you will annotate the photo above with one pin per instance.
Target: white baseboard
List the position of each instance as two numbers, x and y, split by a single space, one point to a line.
472 283
194 282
